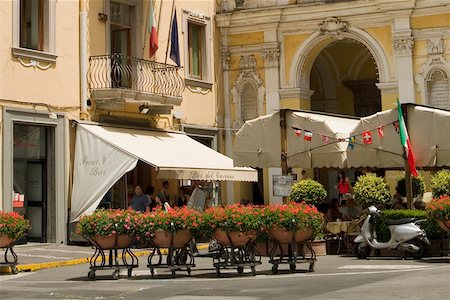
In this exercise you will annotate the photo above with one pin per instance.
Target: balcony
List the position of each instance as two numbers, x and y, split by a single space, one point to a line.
115 80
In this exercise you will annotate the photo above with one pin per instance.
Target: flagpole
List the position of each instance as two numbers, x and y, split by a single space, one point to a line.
145 29
170 31
408 178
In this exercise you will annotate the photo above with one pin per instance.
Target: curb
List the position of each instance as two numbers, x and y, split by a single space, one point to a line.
56 264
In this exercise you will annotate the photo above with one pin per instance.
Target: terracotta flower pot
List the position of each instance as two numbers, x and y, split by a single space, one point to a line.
5 241
114 241
287 236
445 225
163 238
234 238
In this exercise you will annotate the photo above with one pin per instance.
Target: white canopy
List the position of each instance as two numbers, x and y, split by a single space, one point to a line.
337 142
104 154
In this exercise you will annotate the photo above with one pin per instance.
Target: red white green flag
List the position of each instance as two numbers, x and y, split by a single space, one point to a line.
404 139
152 29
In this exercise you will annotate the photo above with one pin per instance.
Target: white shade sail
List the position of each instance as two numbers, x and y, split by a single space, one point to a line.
104 154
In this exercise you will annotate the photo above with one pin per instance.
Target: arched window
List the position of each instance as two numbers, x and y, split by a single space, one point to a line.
438 92
249 102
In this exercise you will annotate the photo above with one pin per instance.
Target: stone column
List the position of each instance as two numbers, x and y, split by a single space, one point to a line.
403 43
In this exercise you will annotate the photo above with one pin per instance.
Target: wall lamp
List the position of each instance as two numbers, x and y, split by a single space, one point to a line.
144 109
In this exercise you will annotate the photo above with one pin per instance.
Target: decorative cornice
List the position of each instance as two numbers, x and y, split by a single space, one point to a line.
247 62
403 45
195 14
271 57
333 26
388 87
33 63
198 90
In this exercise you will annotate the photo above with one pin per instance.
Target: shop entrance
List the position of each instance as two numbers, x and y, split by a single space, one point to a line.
30 178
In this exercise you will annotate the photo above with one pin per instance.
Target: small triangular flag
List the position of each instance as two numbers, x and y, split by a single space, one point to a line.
380 130
367 137
298 131
324 138
397 126
308 136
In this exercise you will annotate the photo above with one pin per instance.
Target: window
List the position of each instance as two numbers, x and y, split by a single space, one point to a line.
195 45
33 22
34 30
197 41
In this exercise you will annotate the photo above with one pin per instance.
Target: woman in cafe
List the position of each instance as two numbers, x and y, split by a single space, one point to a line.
343 185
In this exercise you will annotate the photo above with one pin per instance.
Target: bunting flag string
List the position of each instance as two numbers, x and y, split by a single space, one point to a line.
367 135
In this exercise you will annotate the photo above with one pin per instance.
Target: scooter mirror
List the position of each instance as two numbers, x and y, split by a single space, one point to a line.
373 209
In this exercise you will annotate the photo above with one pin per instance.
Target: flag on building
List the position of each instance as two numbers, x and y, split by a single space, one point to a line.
367 137
404 139
152 29
324 138
308 136
174 47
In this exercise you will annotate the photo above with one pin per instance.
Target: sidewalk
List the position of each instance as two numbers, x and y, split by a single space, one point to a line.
36 256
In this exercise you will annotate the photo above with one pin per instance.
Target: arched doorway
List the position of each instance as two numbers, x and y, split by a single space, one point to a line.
343 78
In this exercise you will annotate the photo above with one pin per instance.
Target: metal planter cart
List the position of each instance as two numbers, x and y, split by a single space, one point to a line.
278 255
231 256
178 256
9 251
126 260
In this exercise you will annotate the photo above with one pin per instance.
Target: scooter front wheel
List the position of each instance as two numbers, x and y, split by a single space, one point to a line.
362 252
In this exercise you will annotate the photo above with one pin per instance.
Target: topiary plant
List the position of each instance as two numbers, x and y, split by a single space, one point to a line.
308 190
371 190
417 183
440 183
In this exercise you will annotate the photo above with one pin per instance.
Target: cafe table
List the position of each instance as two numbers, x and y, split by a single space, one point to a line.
340 230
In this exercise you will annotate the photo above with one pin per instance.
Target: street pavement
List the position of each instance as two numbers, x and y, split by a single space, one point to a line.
335 277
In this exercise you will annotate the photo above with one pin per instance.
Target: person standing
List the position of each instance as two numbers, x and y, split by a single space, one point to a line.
163 195
343 185
140 201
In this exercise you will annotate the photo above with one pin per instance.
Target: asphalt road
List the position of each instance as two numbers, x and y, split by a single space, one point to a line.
335 277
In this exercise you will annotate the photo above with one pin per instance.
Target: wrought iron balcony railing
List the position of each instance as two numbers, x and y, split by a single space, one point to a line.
119 71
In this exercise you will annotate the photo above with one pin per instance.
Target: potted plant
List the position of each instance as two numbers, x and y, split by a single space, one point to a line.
440 183
417 183
293 222
308 190
439 209
173 228
12 227
235 225
370 190
109 228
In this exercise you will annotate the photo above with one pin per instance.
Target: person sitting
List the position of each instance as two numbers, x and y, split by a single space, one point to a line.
182 198
153 200
333 212
351 211
397 201
163 195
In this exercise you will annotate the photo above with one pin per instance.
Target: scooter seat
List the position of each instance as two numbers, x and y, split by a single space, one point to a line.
399 221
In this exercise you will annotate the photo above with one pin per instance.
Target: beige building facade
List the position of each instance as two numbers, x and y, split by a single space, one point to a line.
345 57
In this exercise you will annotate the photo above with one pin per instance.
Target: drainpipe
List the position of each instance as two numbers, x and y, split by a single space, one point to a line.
83 60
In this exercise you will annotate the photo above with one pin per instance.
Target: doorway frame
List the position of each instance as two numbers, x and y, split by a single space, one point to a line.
58 188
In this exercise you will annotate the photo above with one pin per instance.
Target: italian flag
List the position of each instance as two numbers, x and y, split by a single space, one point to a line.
152 29
404 139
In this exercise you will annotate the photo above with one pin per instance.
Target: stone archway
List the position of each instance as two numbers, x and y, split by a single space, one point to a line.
300 72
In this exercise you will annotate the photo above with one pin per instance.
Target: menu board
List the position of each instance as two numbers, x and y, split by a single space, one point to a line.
282 185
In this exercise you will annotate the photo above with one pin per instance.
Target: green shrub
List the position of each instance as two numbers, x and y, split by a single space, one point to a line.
440 183
371 190
430 226
417 183
308 190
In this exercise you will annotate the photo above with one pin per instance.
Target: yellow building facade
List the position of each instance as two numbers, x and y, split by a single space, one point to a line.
88 61
345 57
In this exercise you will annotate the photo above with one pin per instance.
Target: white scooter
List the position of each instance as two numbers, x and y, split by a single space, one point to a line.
406 236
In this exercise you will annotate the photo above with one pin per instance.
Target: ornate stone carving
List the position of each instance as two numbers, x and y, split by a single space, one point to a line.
271 57
247 62
333 26
226 58
34 63
195 14
403 45
435 46
198 90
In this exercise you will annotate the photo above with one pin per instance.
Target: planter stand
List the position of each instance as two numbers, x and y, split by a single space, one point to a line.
178 258
98 261
231 256
278 256
7 263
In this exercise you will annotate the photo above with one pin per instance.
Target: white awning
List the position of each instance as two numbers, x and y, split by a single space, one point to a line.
104 154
